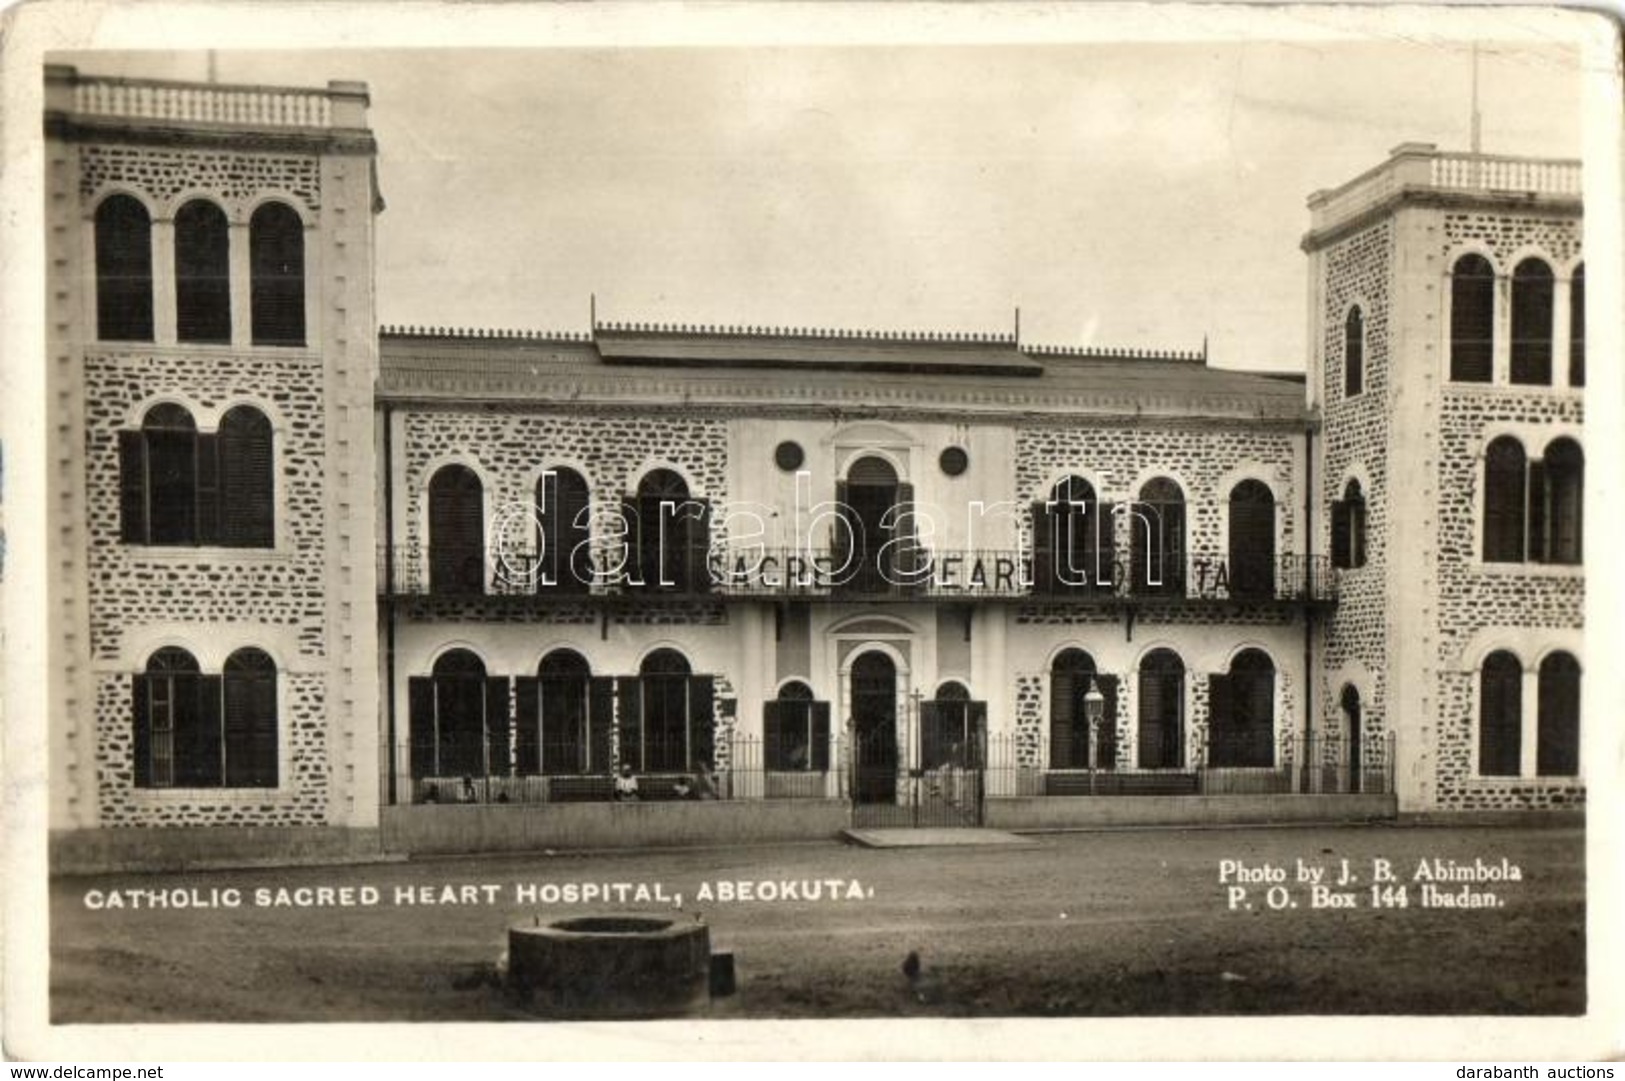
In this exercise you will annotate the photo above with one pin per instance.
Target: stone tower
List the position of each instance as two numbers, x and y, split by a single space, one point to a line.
212 352
1447 360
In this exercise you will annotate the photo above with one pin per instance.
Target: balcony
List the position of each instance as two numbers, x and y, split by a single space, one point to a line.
170 103
912 575
1414 169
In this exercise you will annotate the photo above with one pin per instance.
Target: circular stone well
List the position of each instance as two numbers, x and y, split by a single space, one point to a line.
610 966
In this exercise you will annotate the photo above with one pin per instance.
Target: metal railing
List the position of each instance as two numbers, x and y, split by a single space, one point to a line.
731 769
911 574
1291 763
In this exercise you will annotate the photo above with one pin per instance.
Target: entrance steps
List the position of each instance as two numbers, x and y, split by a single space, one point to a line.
932 838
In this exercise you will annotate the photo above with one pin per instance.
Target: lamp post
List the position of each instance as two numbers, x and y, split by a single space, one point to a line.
1094 707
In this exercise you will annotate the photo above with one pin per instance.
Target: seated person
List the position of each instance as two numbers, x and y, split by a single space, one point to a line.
626 785
682 788
705 785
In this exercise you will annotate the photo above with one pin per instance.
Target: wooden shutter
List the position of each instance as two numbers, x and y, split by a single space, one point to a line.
246 485
1342 534
1221 721
498 760
820 737
932 745
1500 745
528 740
1153 709
908 560
702 733
1106 749
1557 748
197 731
132 487
1102 547
1043 549
774 718
697 534
1539 519
846 542
1252 548
141 694
976 747
629 715
250 731
420 726
1357 525
208 489
1063 691
600 723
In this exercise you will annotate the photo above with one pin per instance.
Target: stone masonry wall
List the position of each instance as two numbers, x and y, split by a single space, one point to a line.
232 177
1356 443
1472 601
137 588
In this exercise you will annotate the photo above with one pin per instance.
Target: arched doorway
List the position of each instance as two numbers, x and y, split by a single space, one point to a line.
874 727
1351 728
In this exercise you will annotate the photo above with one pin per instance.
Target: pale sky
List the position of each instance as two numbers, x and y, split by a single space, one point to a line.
1141 195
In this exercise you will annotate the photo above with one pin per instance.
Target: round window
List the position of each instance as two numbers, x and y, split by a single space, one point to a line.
954 461
788 455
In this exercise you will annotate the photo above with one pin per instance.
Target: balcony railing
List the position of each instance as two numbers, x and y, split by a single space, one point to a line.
340 104
900 574
1420 166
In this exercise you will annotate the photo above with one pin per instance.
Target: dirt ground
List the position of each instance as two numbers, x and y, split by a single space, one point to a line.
1103 924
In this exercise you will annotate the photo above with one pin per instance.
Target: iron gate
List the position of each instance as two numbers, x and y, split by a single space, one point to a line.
946 790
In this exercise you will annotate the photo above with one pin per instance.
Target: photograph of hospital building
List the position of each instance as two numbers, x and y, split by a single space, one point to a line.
322 585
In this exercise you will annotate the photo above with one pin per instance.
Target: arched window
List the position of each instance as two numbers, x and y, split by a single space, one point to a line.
953 729
1353 721
872 550
795 728
1072 540
159 479
564 729
1157 561
1348 528
276 256
1252 540
123 270
199 731
1505 473
1162 710
459 726
1532 292
666 716
1558 742
1500 715
670 532
1353 352
565 544
1472 320
250 716
1241 712
1557 503
456 531
202 273
1070 676
171 717
247 518
1577 327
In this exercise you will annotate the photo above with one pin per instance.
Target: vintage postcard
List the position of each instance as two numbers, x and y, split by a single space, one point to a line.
1071 516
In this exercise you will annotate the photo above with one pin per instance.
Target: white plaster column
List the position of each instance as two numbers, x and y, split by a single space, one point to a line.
242 327
1501 365
1562 298
163 281
1529 735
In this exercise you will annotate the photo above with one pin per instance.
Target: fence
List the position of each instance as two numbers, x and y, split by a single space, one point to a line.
1317 764
916 574
735 769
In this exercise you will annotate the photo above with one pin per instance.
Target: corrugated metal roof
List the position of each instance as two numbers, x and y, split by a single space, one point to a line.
716 351
517 369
